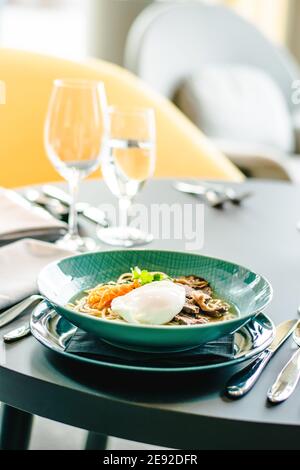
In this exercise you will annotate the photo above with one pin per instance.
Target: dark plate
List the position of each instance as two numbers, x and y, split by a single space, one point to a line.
55 332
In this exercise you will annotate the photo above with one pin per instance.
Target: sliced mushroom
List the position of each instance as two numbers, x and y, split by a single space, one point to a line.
192 281
212 307
207 290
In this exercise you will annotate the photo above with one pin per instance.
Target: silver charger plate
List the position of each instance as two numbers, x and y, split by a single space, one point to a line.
55 332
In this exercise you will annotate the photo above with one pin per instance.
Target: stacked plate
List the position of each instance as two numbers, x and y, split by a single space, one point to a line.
55 332
56 325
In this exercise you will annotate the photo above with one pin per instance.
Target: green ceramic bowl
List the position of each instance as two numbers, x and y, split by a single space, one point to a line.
63 280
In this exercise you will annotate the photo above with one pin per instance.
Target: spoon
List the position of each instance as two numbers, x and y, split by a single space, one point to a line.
17 334
289 377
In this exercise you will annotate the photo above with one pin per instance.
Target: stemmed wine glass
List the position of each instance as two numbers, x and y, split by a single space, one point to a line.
75 132
127 163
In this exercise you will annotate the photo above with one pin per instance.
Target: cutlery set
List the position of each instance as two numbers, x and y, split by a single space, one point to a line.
242 382
215 195
238 386
57 202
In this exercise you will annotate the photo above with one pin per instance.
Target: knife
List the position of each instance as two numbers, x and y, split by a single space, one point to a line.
12 313
242 382
83 208
209 195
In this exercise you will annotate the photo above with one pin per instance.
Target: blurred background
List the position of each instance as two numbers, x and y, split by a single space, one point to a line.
78 28
231 69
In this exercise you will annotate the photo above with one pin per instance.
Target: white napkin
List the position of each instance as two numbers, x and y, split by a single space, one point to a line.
19 219
20 264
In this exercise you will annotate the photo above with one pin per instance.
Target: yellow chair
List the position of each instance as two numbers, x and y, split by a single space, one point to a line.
181 149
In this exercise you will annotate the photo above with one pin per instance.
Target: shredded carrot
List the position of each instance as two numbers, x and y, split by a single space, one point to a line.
102 296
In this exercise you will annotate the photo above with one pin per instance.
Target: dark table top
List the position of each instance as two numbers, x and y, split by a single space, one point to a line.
182 411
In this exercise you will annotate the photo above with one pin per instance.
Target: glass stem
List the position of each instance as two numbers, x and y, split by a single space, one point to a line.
73 216
124 206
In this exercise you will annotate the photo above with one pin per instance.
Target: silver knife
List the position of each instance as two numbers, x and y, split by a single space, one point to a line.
85 209
242 382
12 313
209 195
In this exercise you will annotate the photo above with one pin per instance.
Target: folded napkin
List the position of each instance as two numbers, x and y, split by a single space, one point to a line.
20 263
86 344
19 219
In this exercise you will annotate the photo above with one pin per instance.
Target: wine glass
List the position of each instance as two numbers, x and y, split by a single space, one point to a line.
126 165
75 132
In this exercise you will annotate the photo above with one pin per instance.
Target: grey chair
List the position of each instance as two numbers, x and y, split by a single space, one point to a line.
170 42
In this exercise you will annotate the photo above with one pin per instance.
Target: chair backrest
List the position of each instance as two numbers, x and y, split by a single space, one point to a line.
182 150
168 42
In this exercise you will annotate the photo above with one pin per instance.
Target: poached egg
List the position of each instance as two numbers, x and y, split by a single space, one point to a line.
156 303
